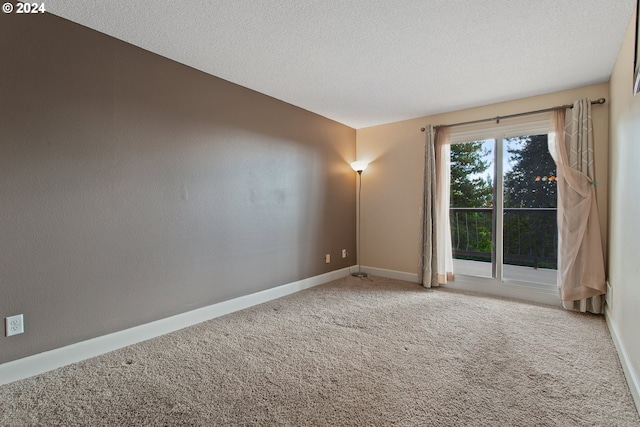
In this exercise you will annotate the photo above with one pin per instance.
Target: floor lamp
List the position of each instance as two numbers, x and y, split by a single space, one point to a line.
359 166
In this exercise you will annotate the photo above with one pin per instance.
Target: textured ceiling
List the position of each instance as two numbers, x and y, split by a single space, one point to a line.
368 62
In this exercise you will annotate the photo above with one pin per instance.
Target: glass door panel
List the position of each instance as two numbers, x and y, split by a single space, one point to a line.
471 208
529 234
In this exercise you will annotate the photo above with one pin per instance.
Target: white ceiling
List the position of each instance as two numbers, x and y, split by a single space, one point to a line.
368 62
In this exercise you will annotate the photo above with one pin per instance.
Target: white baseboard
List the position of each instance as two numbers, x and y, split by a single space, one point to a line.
391 274
632 377
56 358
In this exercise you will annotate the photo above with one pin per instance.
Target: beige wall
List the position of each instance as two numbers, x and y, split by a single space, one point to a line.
392 185
624 213
133 188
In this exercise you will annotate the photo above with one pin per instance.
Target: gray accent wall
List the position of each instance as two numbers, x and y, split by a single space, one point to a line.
133 188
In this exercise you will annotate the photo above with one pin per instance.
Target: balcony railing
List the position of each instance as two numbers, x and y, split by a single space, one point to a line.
530 235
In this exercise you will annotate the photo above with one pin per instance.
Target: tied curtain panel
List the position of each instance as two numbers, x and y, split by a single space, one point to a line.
436 252
581 275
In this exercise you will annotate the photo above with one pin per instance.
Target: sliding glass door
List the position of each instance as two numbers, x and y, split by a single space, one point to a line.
503 209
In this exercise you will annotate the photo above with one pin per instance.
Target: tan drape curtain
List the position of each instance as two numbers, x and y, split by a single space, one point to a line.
581 276
436 260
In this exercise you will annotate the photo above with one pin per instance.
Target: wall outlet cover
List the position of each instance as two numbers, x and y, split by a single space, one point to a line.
14 325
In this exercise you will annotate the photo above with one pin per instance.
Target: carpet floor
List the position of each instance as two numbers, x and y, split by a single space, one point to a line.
361 352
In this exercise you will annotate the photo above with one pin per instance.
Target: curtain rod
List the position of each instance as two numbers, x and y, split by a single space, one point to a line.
498 118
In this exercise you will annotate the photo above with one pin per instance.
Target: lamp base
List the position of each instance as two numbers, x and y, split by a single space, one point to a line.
359 275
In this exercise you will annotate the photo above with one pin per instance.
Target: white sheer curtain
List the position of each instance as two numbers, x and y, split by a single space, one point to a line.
436 260
581 276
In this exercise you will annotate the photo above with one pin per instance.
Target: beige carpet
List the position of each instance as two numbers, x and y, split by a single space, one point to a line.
371 352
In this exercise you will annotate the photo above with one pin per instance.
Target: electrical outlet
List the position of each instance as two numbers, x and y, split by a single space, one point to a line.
14 325
327 258
344 253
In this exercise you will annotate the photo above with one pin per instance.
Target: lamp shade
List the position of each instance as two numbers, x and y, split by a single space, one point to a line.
359 165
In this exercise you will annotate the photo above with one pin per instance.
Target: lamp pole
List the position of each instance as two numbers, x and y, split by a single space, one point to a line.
359 167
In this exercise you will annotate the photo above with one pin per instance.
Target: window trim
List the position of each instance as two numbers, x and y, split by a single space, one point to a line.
505 131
